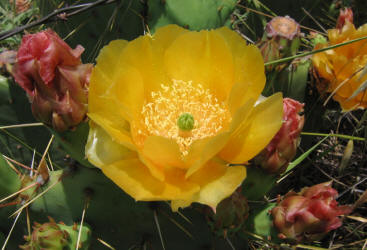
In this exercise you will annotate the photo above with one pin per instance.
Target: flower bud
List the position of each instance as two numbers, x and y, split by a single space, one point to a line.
280 39
345 15
52 235
230 214
310 214
283 147
46 236
54 78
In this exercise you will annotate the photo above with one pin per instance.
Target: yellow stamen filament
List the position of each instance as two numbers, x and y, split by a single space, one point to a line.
167 105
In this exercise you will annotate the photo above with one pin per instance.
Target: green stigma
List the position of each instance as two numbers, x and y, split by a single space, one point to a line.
185 122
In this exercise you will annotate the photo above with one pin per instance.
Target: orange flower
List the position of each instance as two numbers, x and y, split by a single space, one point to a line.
341 67
170 111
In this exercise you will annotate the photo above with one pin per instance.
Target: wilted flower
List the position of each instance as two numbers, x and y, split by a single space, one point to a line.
285 27
341 68
54 78
309 214
170 111
280 39
283 147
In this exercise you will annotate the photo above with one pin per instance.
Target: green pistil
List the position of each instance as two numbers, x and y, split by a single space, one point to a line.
185 122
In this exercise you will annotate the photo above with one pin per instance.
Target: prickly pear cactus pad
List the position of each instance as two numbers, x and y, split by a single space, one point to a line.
183 124
191 14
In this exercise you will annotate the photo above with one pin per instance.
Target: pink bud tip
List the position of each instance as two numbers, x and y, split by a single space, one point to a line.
345 15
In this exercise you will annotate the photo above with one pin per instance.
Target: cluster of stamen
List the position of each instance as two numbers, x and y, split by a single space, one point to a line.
161 113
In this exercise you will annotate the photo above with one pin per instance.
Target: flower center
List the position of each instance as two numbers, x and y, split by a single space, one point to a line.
185 122
184 112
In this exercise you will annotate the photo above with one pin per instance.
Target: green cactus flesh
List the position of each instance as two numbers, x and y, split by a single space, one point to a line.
260 222
73 142
257 183
73 231
192 14
115 217
9 180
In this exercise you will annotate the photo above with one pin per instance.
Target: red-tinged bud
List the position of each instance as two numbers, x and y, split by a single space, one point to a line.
230 214
345 15
310 214
280 39
54 78
283 147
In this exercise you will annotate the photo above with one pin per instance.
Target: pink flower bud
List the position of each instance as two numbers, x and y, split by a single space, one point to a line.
54 78
283 147
345 15
310 214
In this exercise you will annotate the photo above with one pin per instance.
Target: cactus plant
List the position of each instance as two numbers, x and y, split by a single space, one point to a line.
72 193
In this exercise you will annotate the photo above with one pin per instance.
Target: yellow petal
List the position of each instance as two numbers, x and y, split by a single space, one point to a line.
204 58
102 150
116 90
101 101
118 131
203 150
107 56
147 59
135 179
249 72
217 181
255 132
160 153
164 36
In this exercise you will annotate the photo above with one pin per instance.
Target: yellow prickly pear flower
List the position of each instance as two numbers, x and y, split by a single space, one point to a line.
341 68
170 111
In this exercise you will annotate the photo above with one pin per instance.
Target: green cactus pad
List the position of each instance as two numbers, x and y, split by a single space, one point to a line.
260 222
192 14
257 183
73 231
73 142
9 180
117 219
